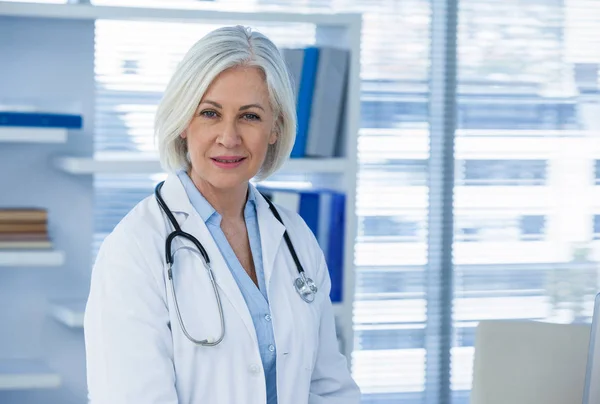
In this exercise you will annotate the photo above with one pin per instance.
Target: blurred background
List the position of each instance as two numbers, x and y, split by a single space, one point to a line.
523 105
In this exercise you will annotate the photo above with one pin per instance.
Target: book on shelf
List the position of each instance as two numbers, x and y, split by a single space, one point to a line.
40 120
23 215
319 78
25 245
22 228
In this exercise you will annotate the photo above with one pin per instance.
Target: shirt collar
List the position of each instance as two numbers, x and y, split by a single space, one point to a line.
203 207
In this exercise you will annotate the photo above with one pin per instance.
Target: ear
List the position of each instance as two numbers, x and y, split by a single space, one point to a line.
275 130
273 137
183 134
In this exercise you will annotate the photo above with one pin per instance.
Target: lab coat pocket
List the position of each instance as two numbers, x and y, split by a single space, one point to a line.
309 317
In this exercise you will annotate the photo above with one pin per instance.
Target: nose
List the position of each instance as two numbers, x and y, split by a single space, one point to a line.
229 135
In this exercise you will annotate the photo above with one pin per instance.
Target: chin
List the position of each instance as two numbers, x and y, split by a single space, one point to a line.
229 181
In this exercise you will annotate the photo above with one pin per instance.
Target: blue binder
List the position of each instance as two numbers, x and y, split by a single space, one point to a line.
305 97
323 211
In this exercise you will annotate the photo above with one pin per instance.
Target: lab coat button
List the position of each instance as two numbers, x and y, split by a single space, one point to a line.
254 369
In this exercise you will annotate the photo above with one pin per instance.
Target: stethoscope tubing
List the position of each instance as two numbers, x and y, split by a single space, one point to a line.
303 285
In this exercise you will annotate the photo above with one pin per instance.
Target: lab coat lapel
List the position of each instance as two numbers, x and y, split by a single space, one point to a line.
176 198
271 235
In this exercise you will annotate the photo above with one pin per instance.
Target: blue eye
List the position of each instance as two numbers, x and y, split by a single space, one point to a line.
251 117
208 114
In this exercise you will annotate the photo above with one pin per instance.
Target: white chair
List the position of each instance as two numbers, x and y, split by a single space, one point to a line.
529 362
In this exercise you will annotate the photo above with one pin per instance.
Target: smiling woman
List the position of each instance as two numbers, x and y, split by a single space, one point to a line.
196 289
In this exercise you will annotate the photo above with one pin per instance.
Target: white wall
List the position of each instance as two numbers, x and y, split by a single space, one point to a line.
51 60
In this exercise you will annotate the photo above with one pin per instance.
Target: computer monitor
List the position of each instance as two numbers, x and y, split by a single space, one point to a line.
591 394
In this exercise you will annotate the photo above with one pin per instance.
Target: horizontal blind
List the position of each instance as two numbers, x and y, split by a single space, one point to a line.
524 217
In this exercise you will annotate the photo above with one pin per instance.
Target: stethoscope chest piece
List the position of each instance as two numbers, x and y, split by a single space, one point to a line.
306 288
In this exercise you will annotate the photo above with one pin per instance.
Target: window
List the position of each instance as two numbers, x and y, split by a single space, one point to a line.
596 234
516 112
532 227
503 228
512 59
399 173
390 228
597 172
502 172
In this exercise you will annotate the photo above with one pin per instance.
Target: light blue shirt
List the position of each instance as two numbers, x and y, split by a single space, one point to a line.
256 298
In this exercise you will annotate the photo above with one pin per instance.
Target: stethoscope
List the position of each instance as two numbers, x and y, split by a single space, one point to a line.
304 285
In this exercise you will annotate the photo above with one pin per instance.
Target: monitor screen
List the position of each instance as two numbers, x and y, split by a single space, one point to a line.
592 379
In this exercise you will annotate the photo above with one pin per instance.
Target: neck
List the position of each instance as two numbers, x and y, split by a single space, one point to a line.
229 202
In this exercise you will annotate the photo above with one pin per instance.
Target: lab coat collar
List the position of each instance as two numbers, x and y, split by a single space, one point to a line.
175 196
271 234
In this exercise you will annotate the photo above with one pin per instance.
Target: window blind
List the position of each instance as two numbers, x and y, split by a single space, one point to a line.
527 102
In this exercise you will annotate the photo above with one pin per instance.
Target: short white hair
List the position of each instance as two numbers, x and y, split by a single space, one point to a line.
219 50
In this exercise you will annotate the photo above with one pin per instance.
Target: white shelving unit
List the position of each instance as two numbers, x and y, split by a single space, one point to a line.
341 30
32 135
26 374
133 163
69 313
344 21
31 258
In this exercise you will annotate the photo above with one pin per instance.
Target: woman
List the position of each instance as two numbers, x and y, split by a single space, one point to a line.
158 331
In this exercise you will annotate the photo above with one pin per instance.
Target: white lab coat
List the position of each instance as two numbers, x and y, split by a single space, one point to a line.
136 351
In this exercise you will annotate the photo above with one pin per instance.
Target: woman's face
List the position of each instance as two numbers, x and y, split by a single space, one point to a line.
231 130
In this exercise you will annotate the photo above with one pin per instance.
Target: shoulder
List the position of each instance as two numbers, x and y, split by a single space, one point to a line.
142 222
137 239
131 257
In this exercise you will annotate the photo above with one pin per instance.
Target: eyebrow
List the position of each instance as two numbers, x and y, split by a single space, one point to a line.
242 108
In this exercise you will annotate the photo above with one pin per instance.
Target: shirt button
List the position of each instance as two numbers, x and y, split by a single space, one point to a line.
254 369
268 317
272 348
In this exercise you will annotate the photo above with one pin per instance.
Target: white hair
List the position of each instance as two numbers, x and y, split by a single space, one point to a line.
216 52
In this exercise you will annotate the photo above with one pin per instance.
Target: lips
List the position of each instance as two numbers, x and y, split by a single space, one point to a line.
229 160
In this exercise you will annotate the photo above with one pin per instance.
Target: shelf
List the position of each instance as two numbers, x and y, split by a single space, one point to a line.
33 135
69 313
132 163
111 163
31 258
316 165
25 374
91 12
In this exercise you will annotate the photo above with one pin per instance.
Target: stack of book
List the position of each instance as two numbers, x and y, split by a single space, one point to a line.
24 229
